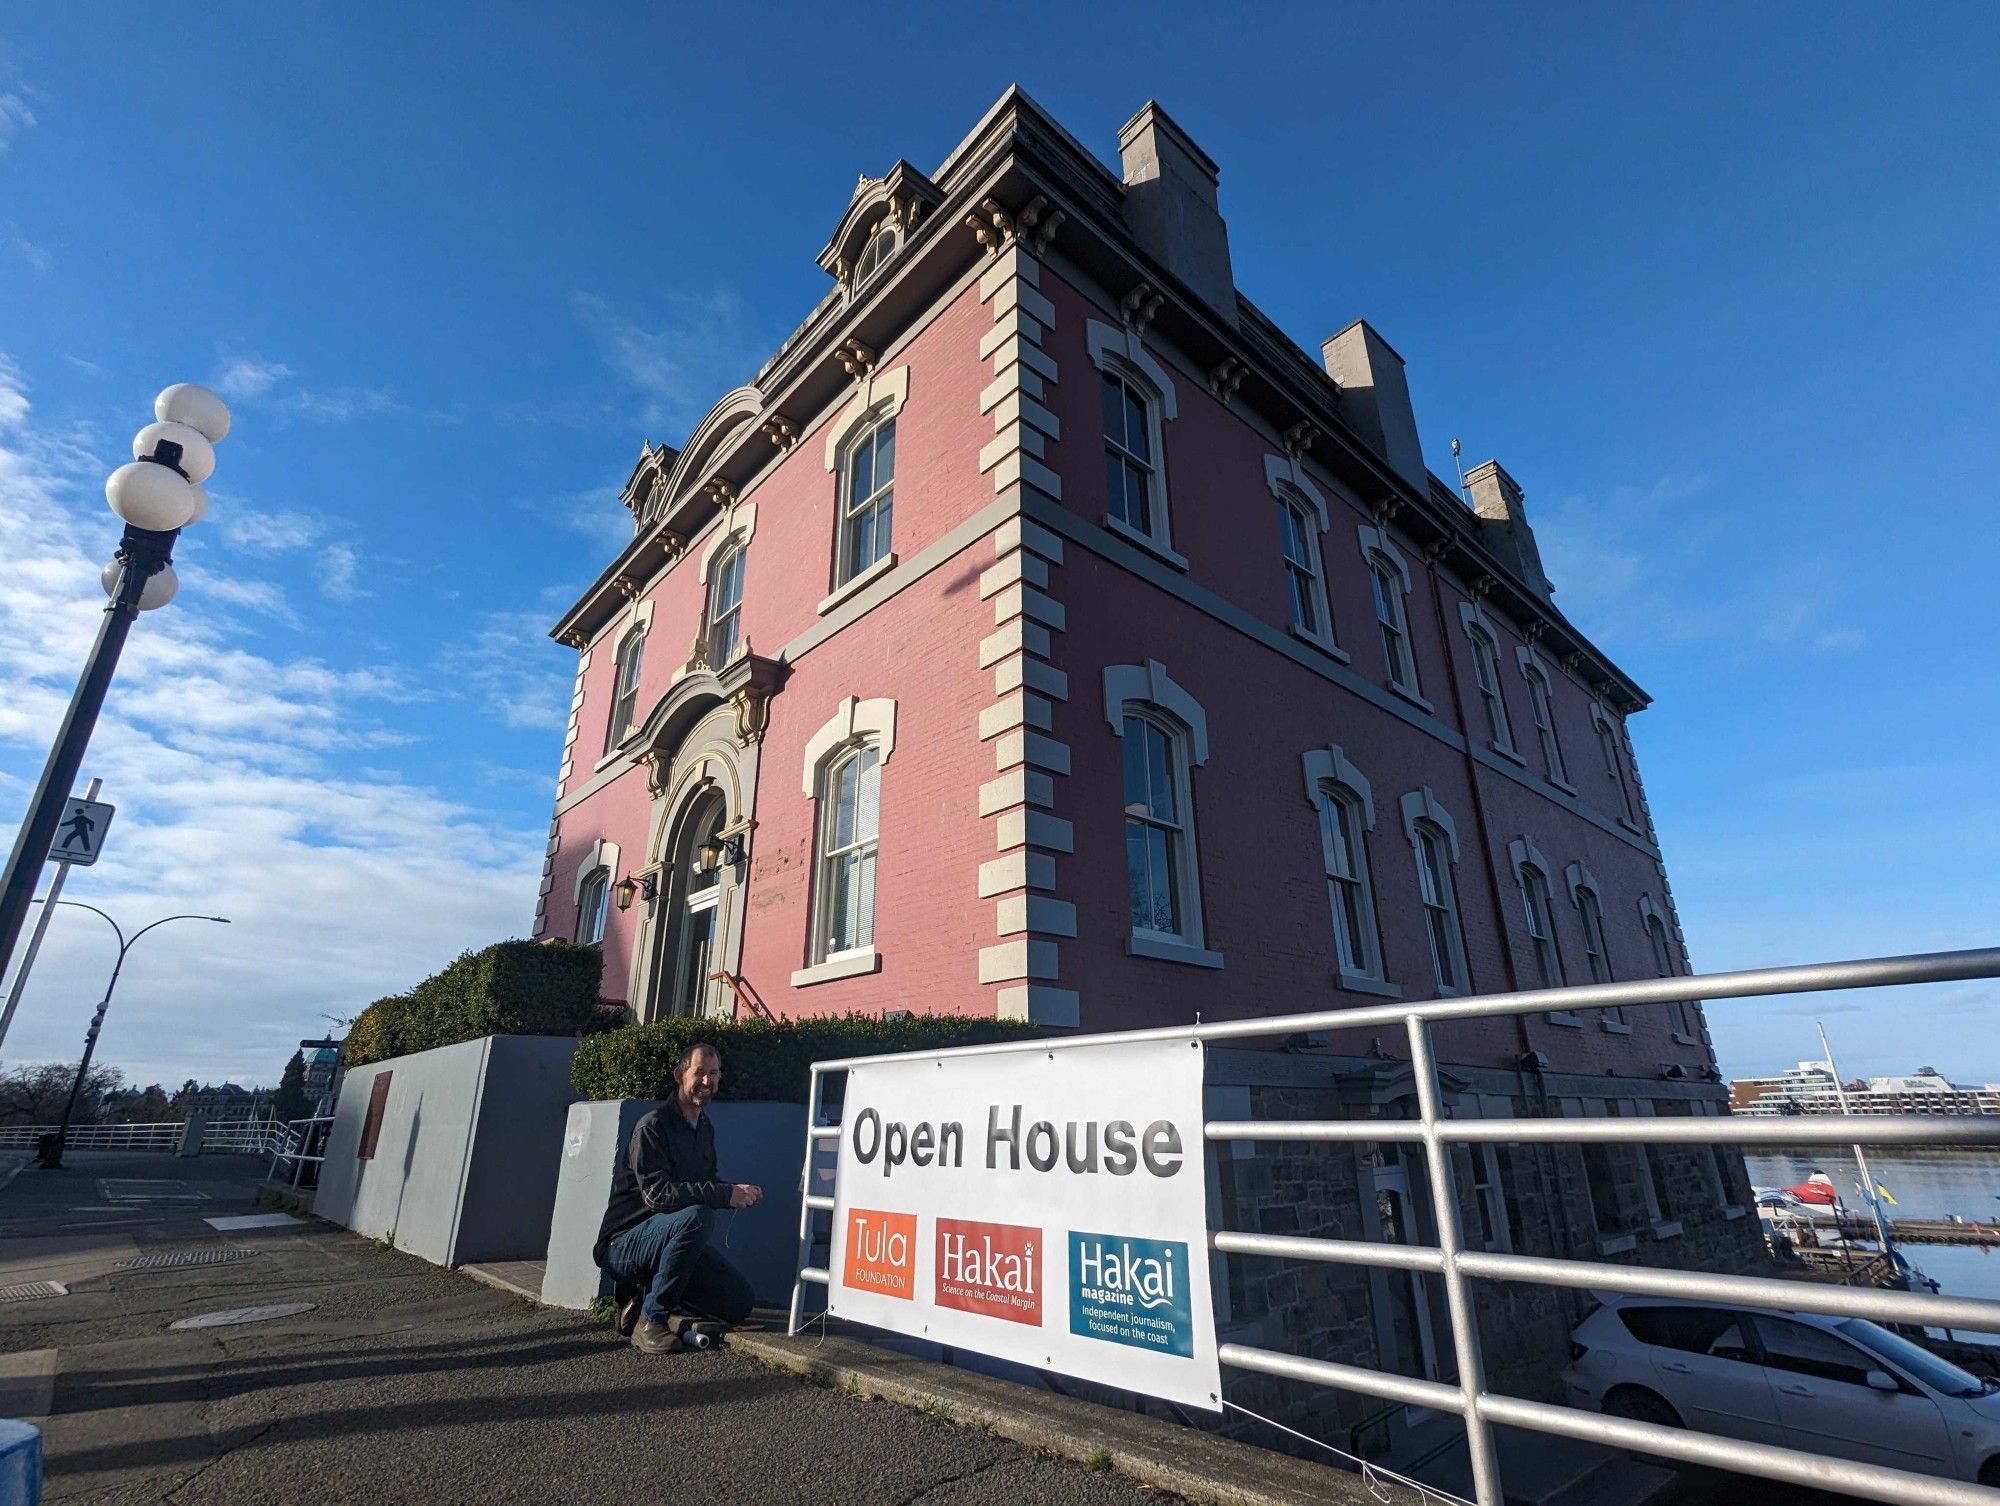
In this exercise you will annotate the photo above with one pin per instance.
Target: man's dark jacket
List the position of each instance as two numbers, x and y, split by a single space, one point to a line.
669 1165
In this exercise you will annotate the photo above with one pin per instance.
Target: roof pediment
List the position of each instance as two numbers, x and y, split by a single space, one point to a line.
902 193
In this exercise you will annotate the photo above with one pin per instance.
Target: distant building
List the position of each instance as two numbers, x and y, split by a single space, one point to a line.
1809 1088
230 1101
322 1067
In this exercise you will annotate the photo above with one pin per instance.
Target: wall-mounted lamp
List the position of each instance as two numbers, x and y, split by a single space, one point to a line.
626 889
719 850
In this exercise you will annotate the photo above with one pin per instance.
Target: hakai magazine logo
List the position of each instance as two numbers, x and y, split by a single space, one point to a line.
1131 1291
992 1269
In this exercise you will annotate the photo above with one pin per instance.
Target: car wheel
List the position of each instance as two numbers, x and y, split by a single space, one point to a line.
1989 1472
1637 1404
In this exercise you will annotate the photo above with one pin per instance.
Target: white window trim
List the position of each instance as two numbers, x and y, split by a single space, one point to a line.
1532 665
1149 692
1376 541
1329 767
1577 878
602 858
1420 808
1473 618
1289 484
1522 853
1117 351
855 723
637 633
735 533
881 396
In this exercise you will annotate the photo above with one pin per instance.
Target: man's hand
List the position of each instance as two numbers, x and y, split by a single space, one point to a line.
743 1195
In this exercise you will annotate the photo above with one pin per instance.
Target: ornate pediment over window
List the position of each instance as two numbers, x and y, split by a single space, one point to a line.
879 220
649 478
745 684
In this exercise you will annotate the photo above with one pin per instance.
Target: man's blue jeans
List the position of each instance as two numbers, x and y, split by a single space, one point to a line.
668 1254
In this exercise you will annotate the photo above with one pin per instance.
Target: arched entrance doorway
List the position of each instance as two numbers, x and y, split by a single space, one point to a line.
698 892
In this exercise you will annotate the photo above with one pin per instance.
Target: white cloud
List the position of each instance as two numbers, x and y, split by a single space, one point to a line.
246 378
242 790
338 566
512 670
15 117
681 359
262 531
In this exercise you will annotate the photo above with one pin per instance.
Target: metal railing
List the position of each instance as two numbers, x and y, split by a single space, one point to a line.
1458 1268
302 1144
249 1137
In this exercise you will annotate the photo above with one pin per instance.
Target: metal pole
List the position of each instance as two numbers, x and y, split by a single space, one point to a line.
805 1207
41 929
1479 1448
1860 1155
142 553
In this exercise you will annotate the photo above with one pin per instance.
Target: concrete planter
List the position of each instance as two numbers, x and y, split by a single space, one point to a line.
762 1143
465 1149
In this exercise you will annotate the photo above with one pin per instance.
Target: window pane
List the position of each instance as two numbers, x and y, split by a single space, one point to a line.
1114 410
1165 805
868 795
1161 862
1812 1351
1137 878
1138 435
1134 755
864 900
1378 580
844 792
861 474
1114 485
1335 820
885 453
883 513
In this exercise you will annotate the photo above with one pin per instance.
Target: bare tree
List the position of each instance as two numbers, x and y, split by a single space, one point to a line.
36 1094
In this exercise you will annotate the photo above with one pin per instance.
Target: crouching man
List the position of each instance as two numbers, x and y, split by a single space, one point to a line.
664 1196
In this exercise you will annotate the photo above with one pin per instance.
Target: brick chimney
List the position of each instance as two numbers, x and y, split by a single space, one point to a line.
1170 206
1496 500
1375 398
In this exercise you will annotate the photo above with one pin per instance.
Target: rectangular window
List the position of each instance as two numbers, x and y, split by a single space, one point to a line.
625 693
1347 884
1301 546
1486 673
1440 909
1545 727
725 606
1541 926
850 801
1387 582
1614 770
1594 950
1155 829
867 509
1128 455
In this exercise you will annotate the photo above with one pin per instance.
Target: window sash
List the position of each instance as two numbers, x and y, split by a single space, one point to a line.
1388 588
1347 883
1541 926
1593 942
1607 745
1301 566
1128 454
591 912
1486 672
725 607
868 509
1156 834
1440 909
1545 726
850 818
625 691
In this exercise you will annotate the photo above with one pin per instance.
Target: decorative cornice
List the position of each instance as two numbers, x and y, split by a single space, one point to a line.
1299 437
574 640
753 711
628 587
1138 307
671 543
992 225
1039 221
719 491
781 431
1226 376
855 358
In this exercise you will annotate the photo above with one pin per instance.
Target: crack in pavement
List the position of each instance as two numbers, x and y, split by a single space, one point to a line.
221 1454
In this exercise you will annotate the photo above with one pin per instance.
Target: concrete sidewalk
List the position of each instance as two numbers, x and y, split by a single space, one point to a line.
405 1382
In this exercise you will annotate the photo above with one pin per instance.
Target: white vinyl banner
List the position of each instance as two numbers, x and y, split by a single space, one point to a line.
1045 1207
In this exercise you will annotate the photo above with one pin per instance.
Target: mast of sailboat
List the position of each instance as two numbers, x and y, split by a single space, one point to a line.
1860 1156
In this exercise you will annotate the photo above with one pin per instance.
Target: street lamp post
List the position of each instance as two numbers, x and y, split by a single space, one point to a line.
157 495
51 1153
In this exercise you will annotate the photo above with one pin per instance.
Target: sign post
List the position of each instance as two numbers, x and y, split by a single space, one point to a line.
1044 1207
99 817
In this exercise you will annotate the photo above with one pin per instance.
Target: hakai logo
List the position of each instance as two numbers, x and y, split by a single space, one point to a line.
994 1269
1131 1291
881 1253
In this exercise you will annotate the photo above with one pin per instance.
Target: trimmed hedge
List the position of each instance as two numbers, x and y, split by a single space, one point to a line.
509 988
763 1060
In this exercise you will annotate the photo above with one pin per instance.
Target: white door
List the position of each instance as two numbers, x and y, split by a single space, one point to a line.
1826 1403
1402 1299
1703 1364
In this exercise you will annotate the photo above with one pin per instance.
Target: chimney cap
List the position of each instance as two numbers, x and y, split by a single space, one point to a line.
1152 117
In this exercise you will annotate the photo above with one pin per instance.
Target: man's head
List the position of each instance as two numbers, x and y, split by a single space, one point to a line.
697 1075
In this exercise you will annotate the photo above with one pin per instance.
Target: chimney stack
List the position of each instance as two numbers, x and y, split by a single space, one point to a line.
1503 524
1170 206
1375 399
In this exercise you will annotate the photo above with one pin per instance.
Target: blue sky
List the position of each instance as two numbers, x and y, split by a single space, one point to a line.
1717 284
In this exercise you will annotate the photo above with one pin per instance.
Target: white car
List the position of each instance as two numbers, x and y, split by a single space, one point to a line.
1836 1386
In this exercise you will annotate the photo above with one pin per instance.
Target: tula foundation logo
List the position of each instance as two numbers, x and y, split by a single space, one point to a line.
992 1269
881 1253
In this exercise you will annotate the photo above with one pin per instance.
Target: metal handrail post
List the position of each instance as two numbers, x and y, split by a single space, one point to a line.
805 1204
1479 1447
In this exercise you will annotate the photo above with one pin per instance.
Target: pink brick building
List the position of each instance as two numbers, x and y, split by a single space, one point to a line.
1043 633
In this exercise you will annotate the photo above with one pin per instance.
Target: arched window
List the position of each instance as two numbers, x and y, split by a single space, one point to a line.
1486 675
1687 1020
849 826
867 500
881 246
592 901
725 604
1545 721
1595 950
625 692
1534 881
1656 937
1434 838
1614 767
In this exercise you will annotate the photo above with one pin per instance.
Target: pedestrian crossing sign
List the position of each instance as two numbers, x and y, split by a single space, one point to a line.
81 836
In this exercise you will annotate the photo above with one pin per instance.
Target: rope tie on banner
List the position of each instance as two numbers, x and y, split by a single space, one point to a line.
1373 1476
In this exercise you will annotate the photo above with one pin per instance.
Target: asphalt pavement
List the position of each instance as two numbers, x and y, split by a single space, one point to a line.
403 1382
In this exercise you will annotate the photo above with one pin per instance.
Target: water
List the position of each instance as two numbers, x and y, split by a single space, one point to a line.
1924 1186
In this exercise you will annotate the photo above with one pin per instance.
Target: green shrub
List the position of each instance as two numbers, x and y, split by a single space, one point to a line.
761 1059
509 988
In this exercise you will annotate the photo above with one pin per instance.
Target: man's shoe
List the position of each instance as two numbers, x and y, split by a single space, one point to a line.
628 1299
654 1337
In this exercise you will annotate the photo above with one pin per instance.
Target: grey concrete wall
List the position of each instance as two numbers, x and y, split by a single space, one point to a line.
465 1162
762 1143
